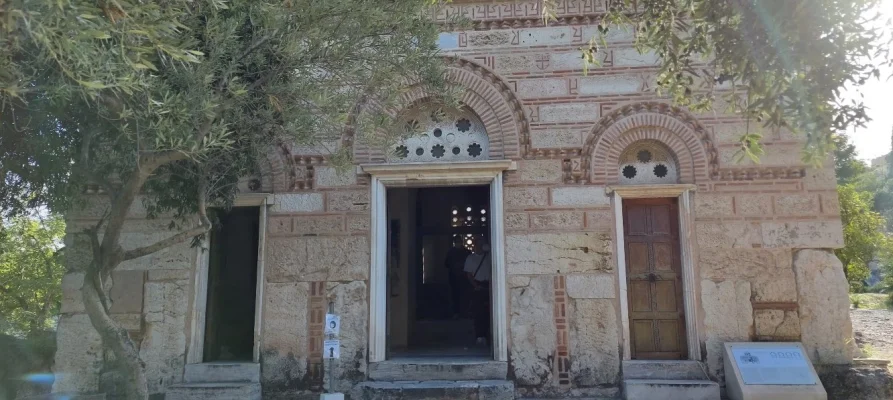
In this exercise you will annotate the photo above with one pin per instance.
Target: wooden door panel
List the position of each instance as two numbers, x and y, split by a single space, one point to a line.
636 221
640 296
660 220
663 256
643 335
665 296
654 279
637 257
668 335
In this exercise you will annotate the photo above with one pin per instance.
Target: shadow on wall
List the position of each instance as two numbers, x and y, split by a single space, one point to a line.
26 365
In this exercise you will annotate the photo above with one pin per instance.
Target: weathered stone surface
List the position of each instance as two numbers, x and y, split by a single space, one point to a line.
163 347
737 263
803 234
78 355
844 382
796 204
669 389
71 293
778 286
600 220
727 235
775 154
594 342
830 203
533 332
318 224
538 88
551 253
279 225
540 170
351 304
728 316
516 220
827 332
817 179
776 324
353 200
580 196
608 85
520 197
297 202
169 274
437 370
557 220
728 133
556 138
331 177
285 343
757 205
518 280
713 205
569 112
126 294
358 223
333 258
591 286
130 322
630 57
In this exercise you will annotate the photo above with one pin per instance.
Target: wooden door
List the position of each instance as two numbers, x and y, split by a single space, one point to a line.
654 277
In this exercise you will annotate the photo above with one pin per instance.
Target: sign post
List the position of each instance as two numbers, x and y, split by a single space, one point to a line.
331 351
768 371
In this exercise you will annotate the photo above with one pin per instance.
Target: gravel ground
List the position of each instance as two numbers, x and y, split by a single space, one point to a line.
874 327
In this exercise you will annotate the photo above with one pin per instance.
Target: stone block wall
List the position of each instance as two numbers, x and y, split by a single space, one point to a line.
761 234
151 297
317 254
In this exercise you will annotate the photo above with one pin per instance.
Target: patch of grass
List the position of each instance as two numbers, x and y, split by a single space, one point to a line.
871 301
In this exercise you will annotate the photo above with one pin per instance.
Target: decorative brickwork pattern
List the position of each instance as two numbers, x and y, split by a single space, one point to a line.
317 313
488 97
562 356
518 14
685 136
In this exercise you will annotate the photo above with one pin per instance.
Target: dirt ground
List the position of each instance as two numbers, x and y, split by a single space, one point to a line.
874 329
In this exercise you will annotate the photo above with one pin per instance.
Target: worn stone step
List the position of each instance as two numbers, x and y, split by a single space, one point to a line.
430 390
666 389
664 369
217 372
427 370
214 391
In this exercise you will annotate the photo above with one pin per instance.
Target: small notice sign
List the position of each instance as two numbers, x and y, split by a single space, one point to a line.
782 365
331 349
333 324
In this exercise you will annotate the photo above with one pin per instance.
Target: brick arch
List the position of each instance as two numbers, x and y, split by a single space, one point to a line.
277 170
487 96
679 131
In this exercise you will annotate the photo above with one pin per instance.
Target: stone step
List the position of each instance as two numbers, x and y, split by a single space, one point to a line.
421 369
214 391
218 372
665 389
429 390
664 369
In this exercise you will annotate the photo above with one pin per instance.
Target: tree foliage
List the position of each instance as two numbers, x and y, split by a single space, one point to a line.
863 234
779 63
172 102
31 270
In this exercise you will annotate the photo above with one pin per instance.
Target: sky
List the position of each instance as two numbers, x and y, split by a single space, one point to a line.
873 140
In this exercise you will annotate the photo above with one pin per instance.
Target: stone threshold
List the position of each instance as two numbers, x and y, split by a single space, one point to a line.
430 369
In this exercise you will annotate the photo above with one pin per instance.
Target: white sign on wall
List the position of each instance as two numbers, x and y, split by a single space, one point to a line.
773 366
331 349
333 324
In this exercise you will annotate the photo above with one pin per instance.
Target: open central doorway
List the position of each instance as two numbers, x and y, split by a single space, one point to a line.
439 269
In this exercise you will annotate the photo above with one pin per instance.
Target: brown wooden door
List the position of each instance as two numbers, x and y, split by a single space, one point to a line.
654 277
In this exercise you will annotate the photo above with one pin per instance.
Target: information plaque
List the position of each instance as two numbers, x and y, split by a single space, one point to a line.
773 366
770 371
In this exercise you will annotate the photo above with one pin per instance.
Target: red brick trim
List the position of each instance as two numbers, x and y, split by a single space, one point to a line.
675 128
487 96
278 172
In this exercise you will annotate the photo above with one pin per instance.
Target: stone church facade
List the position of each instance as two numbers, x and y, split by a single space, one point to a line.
623 231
